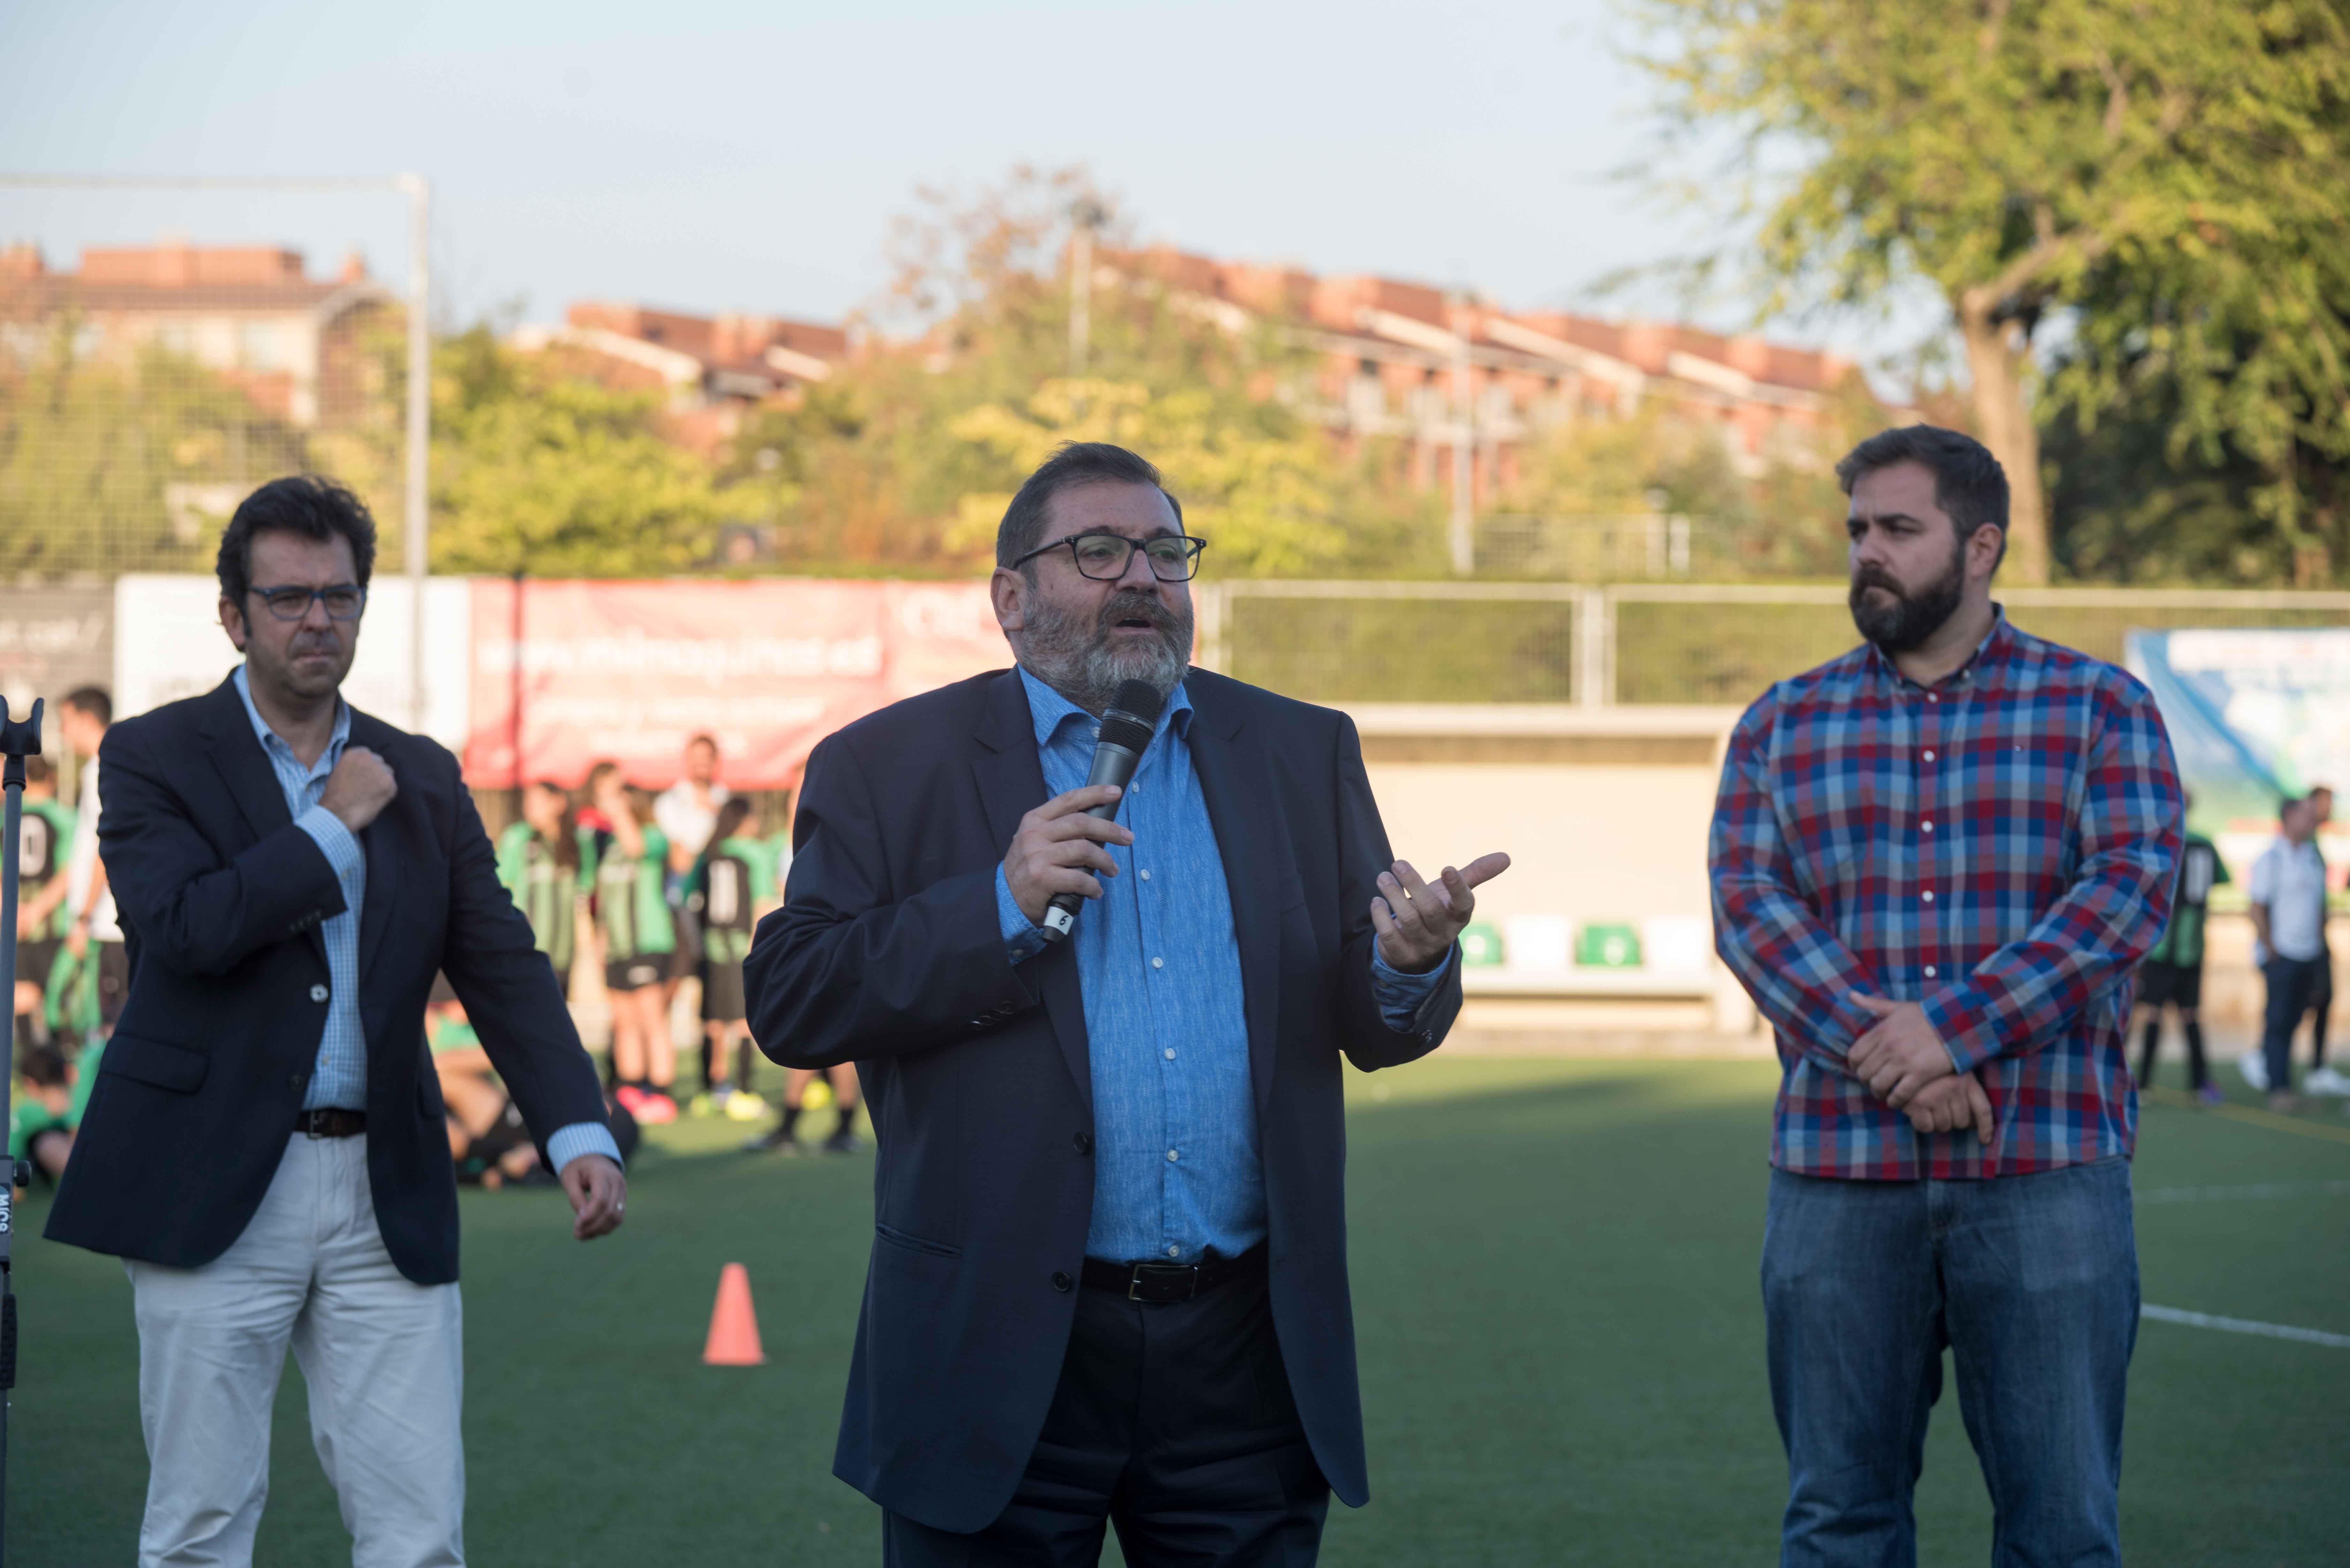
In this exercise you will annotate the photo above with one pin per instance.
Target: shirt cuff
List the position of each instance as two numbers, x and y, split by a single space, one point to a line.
1021 939
334 840
1402 996
581 1137
1962 1022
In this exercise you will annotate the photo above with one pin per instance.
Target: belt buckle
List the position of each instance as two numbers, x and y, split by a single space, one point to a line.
314 1122
1134 1282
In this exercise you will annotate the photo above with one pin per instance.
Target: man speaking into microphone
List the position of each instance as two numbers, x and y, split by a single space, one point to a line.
1109 1274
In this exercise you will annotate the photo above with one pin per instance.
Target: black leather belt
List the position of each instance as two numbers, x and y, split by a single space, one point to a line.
1158 1284
330 1121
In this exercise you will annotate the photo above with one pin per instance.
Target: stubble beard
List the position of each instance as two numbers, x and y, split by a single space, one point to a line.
1078 656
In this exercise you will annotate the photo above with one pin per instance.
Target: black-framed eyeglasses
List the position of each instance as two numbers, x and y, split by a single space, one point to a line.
1173 557
344 601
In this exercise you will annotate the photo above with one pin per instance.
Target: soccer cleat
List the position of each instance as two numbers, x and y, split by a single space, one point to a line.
774 1141
743 1105
657 1108
2326 1081
632 1100
702 1105
843 1142
2209 1094
2255 1069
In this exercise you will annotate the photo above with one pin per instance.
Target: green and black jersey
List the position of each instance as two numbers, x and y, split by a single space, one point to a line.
44 837
545 892
732 878
630 904
2200 869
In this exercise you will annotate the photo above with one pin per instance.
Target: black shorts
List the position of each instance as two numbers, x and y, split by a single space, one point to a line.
113 981
2163 984
722 1001
36 959
636 973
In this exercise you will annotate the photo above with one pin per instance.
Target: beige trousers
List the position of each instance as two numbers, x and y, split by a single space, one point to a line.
383 1358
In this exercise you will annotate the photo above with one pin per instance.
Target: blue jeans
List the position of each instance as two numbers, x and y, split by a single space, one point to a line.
2292 986
2032 1281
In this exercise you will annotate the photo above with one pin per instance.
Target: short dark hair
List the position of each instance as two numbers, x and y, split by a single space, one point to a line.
44 1067
1076 462
1969 482
92 701
37 770
310 504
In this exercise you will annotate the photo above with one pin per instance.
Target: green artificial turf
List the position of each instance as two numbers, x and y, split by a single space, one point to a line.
1554 1288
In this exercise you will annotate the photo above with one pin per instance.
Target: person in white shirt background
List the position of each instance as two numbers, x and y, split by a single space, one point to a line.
2287 905
2323 1079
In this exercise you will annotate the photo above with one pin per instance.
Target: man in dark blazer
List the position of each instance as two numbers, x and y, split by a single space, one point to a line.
1108 1278
265 1145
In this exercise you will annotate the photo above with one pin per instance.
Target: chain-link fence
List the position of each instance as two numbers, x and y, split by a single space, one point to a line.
1633 643
166 345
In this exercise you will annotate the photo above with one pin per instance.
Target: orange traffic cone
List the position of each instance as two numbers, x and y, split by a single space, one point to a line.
734 1326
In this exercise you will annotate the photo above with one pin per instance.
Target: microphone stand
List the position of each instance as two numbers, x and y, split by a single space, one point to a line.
19 739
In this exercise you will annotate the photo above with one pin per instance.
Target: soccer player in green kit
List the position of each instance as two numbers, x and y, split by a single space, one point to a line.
45 829
2172 971
728 887
632 913
542 865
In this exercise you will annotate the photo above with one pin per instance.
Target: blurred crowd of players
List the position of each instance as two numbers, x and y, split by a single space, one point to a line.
649 898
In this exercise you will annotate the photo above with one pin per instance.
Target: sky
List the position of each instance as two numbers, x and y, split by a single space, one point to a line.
733 156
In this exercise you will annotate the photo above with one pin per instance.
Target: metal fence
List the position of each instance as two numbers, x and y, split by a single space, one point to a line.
1628 643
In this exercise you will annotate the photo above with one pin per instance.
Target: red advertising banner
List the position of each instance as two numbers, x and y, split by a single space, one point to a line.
571 673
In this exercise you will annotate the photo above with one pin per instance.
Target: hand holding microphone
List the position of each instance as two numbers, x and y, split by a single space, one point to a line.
1046 867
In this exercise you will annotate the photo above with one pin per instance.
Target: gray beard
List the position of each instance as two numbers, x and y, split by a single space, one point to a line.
1078 659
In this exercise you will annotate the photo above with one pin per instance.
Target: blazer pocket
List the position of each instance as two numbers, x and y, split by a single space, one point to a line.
898 1238
173 1068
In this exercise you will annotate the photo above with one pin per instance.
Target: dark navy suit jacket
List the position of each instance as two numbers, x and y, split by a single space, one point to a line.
887 953
221 897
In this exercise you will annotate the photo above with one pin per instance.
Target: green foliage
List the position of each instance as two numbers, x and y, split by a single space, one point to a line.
110 466
907 459
2167 177
558 476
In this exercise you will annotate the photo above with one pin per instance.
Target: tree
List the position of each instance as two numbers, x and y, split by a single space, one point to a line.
556 475
126 464
2020 158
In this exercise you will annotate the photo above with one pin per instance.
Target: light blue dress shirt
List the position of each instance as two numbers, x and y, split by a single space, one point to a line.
340 1079
1176 1166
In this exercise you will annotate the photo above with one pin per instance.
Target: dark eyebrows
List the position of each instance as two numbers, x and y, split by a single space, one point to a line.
1883 519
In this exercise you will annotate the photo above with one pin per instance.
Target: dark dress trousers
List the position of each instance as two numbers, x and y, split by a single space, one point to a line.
887 953
221 897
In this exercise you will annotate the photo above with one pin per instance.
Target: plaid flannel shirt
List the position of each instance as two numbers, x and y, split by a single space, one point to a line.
1998 848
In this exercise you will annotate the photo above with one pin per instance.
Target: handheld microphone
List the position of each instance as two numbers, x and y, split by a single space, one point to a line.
1126 731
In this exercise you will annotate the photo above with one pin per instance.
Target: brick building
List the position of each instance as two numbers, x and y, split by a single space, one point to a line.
251 314
1407 361
708 368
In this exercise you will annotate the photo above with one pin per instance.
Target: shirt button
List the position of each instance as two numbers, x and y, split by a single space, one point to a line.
1061 1281
317 994
1929 756
1146 875
1930 826
1159 963
1930 896
1169 1052
1930 697
1174 1154
1174 1251
1084 1142
1929 972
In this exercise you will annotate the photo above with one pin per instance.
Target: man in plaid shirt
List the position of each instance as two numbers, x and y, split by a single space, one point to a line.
1936 861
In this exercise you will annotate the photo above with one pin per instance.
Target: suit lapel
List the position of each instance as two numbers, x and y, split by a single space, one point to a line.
237 755
1011 782
1228 757
379 842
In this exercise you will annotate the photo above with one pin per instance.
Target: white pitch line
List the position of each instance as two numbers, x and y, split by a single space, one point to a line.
2246 1191
2243 1325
